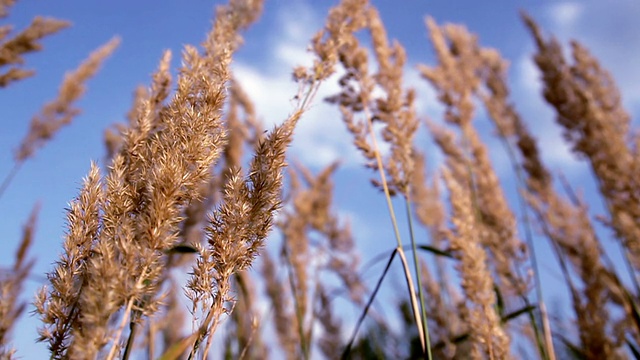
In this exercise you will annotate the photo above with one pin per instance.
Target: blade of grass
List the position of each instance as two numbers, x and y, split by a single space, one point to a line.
428 248
635 312
179 348
435 251
634 349
545 347
347 350
515 314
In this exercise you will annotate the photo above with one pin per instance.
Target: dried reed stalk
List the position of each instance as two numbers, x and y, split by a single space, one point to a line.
589 108
394 109
512 131
284 321
244 337
244 340
315 244
60 111
58 305
457 79
441 297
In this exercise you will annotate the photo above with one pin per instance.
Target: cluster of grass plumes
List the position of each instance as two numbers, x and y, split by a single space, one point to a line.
176 196
128 219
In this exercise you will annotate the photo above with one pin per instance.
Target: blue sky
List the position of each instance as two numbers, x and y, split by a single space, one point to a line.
273 46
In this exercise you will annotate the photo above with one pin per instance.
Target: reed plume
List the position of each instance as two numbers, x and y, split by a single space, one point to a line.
13 50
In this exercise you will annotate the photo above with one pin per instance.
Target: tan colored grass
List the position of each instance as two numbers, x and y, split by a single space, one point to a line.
394 108
13 49
488 336
284 319
11 284
176 198
60 111
164 159
315 245
589 108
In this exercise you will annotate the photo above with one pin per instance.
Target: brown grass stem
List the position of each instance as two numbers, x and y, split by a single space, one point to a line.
125 319
396 231
12 173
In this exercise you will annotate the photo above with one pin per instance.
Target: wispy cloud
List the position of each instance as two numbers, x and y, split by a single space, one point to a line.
566 14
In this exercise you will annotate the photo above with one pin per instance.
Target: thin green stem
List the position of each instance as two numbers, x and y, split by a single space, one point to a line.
347 349
548 351
425 324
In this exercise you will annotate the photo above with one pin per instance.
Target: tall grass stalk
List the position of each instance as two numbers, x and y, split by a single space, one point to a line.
417 313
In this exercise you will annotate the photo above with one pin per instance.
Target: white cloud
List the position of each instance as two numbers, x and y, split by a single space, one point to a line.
566 14
299 21
527 75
